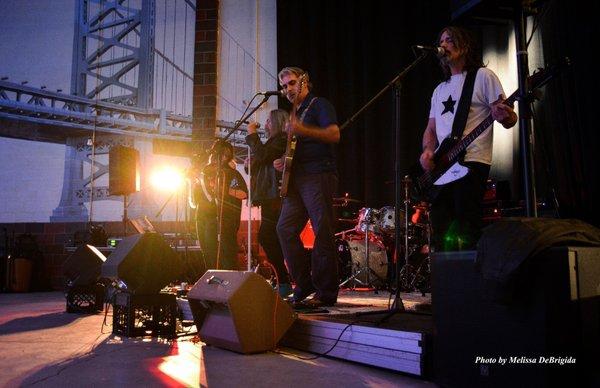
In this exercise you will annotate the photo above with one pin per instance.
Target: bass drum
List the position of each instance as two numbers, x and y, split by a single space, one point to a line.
352 260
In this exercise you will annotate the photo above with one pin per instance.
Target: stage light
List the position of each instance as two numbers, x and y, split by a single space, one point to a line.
167 179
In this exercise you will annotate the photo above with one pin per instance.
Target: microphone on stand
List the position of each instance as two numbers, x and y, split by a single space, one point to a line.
280 93
438 51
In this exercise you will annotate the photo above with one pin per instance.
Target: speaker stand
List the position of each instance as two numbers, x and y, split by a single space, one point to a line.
125 219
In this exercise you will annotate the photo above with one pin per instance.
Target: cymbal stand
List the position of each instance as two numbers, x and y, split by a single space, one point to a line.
407 269
396 83
423 271
367 267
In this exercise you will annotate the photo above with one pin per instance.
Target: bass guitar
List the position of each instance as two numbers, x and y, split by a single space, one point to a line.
448 155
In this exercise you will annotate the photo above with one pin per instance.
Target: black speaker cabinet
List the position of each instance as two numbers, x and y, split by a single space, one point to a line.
82 267
123 170
239 311
547 335
144 262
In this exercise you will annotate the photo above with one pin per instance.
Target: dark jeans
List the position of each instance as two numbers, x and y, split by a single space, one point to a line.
311 197
456 212
267 237
228 258
207 230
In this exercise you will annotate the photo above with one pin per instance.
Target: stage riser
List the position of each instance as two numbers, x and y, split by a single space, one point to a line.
359 337
400 351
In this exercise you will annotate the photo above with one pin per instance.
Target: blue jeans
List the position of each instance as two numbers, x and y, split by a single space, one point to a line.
311 197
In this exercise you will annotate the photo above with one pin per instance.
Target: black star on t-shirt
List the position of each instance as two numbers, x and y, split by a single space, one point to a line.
448 105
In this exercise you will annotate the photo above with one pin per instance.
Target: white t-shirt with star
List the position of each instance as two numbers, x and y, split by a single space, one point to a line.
444 104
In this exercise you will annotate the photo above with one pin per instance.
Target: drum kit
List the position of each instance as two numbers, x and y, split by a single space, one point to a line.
367 249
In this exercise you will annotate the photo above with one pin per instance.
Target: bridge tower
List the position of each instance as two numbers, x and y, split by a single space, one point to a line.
113 61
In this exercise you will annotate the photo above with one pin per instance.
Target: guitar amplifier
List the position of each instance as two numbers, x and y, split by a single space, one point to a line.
548 336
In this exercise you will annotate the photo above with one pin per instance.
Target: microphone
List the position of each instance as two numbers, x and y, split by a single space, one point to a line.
280 93
438 51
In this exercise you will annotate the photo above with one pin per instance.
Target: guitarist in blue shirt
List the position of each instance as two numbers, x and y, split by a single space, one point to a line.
456 210
310 191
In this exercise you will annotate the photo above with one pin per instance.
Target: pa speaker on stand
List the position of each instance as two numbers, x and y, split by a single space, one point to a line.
123 175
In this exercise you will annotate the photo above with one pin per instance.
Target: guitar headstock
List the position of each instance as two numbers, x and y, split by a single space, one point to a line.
543 75
301 84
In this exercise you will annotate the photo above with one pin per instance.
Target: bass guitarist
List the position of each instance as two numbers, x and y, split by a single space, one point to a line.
310 191
456 210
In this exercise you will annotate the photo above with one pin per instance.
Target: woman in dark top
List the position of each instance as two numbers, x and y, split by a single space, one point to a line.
265 189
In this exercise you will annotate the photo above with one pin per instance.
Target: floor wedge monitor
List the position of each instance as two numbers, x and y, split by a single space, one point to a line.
239 311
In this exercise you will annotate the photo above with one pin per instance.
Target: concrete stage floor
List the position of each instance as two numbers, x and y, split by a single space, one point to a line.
42 345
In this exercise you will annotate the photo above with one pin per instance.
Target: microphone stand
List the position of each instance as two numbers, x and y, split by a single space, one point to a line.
397 305
249 199
159 213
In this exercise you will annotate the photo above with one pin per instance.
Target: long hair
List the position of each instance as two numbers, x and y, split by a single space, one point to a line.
465 43
279 119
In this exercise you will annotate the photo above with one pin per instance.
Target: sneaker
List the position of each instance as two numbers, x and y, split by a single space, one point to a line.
317 303
284 290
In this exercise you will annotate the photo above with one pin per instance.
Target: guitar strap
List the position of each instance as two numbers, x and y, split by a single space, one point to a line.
306 110
460 120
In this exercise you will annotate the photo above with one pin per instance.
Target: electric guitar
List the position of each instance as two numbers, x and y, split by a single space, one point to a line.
448 155
291 146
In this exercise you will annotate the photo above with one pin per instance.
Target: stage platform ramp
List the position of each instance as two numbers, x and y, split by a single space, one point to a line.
399 341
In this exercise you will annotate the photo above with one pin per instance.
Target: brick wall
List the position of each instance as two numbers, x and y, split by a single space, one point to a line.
205 73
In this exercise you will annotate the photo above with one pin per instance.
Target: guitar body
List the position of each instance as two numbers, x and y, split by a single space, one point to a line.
290 148
426 185
447 169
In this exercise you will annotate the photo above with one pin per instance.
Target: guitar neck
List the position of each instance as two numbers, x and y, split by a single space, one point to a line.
462 145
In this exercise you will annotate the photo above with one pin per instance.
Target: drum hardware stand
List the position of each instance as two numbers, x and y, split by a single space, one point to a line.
398 306
367 267
396 84
426 263
343 232
237 125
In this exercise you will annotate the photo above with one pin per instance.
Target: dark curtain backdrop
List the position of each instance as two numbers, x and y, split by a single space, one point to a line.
352 49
567 117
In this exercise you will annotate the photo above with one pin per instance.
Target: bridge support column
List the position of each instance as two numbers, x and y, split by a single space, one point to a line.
71 208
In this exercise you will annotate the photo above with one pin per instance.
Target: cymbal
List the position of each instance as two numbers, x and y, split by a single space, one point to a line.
349 220
345 200
421 207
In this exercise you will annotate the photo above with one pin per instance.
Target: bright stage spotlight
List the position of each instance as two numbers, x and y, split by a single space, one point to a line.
167 179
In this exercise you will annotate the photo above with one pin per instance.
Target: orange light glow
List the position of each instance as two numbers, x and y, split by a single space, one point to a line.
167 179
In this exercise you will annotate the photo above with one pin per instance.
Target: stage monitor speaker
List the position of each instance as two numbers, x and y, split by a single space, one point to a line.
144 262
123 170
82 267
548 335
239 311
